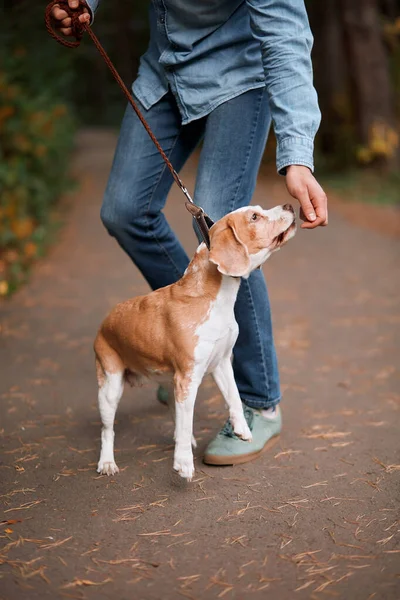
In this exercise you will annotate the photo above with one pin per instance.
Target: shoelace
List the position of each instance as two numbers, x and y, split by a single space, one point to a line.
248 415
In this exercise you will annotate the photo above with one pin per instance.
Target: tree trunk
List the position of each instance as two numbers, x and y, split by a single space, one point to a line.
390 8
369 72
330 73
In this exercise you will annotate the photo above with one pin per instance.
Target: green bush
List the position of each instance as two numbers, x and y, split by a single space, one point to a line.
36 136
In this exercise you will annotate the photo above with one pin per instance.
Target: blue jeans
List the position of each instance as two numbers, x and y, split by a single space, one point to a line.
234 137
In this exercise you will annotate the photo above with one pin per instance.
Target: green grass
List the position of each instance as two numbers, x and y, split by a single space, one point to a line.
364 186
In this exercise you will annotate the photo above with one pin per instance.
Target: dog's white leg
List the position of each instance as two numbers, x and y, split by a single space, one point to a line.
225 380
171 405
185 397
110 393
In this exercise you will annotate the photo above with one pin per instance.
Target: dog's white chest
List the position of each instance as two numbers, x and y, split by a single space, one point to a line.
218 333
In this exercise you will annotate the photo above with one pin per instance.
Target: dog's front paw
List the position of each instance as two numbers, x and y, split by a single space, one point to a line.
185 466
244 432
194 443
107 467
241 428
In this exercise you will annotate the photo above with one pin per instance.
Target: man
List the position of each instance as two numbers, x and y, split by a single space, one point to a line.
218 72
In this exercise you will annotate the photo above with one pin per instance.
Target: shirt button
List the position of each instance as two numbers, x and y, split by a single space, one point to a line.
162 20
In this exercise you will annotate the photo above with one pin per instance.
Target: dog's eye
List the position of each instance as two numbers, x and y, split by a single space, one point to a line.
254 216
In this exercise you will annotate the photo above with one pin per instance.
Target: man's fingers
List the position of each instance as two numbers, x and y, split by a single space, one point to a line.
302 185
82 18
64 21
58 14
320 203
307 209
308 225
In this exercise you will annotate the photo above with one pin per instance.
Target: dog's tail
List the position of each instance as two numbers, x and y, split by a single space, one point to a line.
108 360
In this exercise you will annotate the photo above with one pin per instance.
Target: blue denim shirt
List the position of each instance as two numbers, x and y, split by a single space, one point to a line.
208 51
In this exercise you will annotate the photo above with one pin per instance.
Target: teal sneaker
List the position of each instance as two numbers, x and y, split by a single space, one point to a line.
162 395
227 449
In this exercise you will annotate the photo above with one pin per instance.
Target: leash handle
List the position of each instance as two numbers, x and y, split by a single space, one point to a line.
78 29
76 25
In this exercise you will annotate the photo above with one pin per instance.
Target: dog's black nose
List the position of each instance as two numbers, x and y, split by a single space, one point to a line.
288 207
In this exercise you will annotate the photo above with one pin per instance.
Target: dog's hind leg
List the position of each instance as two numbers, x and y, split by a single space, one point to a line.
225 380
111 386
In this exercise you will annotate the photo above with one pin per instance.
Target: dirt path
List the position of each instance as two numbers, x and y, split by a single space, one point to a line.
316 517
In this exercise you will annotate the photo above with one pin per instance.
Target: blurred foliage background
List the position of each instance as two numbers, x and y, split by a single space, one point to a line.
47 91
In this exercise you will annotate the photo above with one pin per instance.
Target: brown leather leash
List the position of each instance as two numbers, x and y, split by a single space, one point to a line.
78 29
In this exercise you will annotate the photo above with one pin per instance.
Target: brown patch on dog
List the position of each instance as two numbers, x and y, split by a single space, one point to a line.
100 373
156 333
227 250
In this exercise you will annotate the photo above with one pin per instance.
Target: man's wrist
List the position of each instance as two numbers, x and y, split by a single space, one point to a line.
297 168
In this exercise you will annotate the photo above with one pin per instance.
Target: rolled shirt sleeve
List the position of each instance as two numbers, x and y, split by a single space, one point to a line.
282 28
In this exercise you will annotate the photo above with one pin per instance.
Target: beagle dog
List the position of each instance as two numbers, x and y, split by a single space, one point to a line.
187 329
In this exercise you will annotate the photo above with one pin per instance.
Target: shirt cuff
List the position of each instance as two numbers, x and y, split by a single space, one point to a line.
92 4
294 151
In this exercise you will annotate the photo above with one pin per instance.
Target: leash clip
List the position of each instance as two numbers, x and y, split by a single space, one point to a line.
203 221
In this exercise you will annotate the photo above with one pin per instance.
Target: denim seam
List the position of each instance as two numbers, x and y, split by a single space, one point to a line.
281 167
259 344
255 404
164 250
246 161
295 140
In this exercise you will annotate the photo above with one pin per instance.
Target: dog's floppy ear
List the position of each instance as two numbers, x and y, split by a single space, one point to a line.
228 251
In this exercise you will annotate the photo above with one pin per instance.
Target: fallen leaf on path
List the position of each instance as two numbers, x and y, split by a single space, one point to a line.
85 582
164 532
55 544
388 468
11 521
25 506
305 586
305 487
329 435
386 372
385 540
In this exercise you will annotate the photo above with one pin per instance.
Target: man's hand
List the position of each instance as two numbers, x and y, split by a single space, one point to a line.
303 186
63 22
